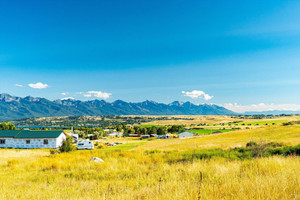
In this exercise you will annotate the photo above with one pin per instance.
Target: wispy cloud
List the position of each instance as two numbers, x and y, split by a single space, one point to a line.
64 93
97 94
197 94
38 85
67 98
18 85
261 107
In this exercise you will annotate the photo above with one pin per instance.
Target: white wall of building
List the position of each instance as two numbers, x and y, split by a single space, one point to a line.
35 143
60 140
8 142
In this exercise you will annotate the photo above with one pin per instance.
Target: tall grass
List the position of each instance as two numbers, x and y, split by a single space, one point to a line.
148 175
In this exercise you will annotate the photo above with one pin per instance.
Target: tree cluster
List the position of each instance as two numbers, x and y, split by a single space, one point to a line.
83 132
7 126
159 130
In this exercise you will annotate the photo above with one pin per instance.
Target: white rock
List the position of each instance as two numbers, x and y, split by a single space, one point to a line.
96 159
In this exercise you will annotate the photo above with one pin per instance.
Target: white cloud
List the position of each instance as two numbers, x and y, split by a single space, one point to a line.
38 85
87 95
261 107
64 93
97 94
18 85
197 94
67 98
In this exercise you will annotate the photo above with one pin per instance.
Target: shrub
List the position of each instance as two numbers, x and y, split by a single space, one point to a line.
67 145
54 151
251 144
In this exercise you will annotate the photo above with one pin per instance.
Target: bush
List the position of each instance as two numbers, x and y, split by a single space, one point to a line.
54 151
251 144
67 145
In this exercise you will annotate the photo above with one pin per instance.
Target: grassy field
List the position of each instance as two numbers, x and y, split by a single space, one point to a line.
157 169
261 122
216 120
286 134
209 131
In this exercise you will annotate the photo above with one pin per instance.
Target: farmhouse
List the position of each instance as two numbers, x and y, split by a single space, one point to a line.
25 139
115 134
163 136
185 134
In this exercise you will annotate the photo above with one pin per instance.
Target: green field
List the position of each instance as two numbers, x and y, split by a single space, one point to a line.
209 131
259 123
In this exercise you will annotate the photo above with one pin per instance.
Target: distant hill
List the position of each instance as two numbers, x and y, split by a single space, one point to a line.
12 107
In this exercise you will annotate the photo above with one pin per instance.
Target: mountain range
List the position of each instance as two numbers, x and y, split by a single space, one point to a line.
12 107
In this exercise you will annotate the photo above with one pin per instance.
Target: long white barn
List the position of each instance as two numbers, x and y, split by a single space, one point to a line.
24 139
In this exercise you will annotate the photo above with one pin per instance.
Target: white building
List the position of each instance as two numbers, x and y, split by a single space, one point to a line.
24 139
185 134
115 134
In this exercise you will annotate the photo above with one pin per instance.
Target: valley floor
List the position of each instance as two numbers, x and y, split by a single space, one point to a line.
156 169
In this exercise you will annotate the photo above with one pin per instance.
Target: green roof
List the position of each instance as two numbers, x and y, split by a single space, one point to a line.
9 133
30 134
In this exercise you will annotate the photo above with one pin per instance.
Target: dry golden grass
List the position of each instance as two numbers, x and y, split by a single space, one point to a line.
24 154
135 175
196 119
287 134
215 119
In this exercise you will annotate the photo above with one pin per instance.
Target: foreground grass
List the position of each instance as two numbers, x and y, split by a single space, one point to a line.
140 175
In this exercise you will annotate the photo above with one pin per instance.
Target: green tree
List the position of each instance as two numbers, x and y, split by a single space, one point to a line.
161 130
119 128
7 126
67 145
11 126
176 128
137 130
152 130
143 131
127 131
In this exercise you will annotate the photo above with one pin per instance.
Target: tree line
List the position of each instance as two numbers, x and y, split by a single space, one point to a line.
159 130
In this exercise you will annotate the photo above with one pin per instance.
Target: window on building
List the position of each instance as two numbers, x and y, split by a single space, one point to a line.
27 141
45 141
2 141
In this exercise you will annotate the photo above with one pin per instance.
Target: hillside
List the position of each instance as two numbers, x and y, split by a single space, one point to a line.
12 107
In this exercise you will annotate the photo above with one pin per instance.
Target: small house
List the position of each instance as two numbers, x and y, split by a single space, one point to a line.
153 135
74 136
185 134
24 139
145 136
115 134
134 135
163 136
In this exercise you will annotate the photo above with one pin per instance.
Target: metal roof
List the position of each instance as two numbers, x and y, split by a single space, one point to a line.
9 133
29 134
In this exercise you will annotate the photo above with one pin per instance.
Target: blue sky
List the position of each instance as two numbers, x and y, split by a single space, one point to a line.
241 54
